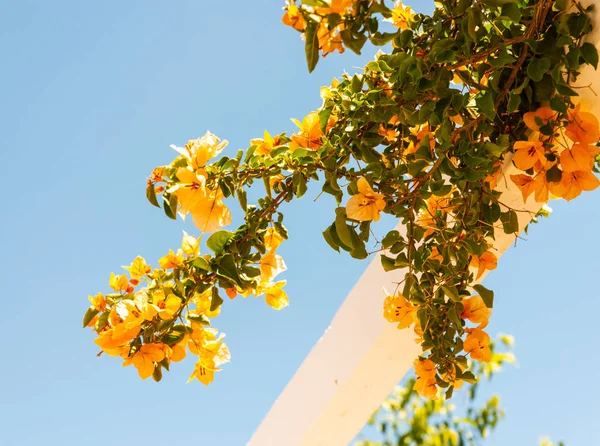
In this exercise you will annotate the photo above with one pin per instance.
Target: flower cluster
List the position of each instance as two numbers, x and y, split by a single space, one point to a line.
153 319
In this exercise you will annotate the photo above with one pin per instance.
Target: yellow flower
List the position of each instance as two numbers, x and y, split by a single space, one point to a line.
199 151
366 205
275 296
146 308
310 133
138 268
264 146
145 358
271 265
204 371
118 283
401 15
398 309
167 306
171 260
272 239
203 303
190 245
98 301
335 7
209 213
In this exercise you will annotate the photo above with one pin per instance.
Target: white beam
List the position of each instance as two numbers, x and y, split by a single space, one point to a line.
358 361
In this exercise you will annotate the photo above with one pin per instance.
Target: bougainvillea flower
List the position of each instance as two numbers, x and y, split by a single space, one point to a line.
477 344
335 7
310 133
199 151
118 283
98 301
167 306
398 309
366 204
426 382
144 359
476 311
190 245
583 127
543 115
579 157
528 153
272 239
293 17
276 297
271 265
401 15
573 183
486 262
171 260
138 268
330 40
264 146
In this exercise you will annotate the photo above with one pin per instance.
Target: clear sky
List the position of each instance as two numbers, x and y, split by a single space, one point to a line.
93 93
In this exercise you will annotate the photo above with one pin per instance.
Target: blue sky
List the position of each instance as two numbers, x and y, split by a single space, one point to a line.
93 93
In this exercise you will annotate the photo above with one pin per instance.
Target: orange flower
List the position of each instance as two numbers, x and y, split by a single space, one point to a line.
476 311
493 177
487 262
477 344
435 255
366 205
398 309
573 183
528 185
426 382
528 153
579 157
583 128
329 40
335 7
544 115
293 18
390 135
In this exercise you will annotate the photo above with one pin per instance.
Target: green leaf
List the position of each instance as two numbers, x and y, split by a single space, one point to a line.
486 294
324 118
388 263
216 300
511 11
510 222
485 104
514 100
217 241
89 315
151 195
170 211
228 268
391 238
311 47
590 54
202 263
538 67
243 199
341 228
451 292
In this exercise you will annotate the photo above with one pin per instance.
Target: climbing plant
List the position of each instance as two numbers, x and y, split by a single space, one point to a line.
474 99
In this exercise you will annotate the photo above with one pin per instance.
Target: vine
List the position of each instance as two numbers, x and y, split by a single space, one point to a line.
480 93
